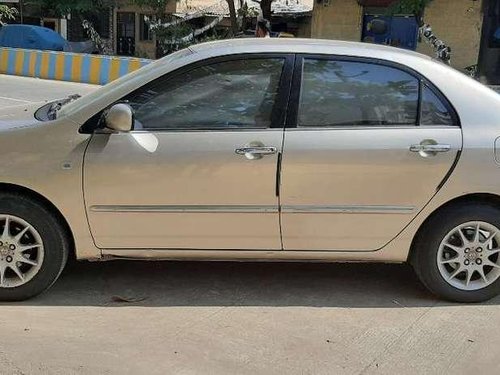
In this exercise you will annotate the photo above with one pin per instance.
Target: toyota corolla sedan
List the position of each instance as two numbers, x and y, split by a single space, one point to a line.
260 149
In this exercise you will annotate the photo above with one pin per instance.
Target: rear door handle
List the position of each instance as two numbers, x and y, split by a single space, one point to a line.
429 147
256 152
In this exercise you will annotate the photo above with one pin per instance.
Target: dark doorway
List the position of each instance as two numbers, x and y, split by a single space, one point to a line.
488 68
125 33
50 25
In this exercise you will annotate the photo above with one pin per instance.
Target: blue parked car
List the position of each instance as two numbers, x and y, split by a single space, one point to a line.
41 38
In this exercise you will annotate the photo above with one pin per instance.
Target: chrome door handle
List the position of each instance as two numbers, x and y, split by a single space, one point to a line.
264 150
256 152
430 148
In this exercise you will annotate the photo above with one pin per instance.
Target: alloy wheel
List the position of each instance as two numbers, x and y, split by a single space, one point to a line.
21 251
469 256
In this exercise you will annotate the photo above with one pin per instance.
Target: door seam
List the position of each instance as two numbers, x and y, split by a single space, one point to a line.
84 194
278 187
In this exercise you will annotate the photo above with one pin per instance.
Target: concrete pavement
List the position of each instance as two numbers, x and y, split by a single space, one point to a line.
19 90
239 318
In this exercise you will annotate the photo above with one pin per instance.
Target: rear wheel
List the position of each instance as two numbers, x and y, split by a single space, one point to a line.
33 247
457 254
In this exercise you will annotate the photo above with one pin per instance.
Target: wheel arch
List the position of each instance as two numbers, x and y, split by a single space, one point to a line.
14 188
488 198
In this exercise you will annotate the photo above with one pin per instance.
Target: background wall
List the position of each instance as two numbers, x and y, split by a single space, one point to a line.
65 66
458 23
339 20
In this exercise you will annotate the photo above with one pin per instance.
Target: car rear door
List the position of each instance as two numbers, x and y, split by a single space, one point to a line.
199 169
367 145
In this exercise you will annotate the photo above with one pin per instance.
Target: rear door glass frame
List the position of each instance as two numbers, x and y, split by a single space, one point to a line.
294 103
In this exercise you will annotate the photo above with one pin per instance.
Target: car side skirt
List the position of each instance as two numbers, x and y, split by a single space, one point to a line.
383 256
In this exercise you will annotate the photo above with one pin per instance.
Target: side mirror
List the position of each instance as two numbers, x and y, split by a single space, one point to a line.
119 117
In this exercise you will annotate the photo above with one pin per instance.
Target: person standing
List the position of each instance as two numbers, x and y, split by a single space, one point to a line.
263 28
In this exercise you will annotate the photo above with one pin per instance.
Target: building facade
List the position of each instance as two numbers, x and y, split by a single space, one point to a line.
471 28
457 22
130 29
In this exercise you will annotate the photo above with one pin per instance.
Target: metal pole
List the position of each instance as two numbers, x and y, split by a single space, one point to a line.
21 10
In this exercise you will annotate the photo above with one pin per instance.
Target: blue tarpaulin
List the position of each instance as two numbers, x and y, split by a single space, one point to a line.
31 37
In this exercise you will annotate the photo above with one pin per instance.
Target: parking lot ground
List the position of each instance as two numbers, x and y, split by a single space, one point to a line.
240 318
245 318
16 90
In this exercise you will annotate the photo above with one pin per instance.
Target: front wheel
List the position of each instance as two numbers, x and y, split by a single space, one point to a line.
33 247
457 254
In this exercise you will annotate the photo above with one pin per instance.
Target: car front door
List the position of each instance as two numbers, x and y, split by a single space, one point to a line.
199 169
367 146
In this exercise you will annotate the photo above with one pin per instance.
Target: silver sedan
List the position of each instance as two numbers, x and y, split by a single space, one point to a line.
260 149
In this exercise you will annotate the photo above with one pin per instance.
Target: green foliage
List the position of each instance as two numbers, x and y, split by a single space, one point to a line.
169 35
410 6
7 13
176 36
61 8
415 7
213 37
247 12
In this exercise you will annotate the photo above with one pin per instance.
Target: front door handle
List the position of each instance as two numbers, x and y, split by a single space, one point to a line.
429 147
256 152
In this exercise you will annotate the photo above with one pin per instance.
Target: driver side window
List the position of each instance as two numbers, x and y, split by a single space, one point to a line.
225 95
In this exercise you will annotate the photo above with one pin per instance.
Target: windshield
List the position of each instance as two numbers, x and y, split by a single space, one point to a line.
94 96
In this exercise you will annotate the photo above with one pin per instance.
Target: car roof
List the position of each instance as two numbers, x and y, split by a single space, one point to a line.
467 95
299 45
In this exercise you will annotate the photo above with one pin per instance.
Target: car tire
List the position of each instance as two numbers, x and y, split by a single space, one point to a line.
26 268
436 263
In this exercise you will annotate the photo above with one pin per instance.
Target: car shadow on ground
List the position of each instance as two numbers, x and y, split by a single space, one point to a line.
135 283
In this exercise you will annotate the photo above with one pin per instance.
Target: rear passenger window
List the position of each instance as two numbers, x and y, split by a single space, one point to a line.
434 111
346 93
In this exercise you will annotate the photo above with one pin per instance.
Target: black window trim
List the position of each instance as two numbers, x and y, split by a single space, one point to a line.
278 114
294 101
424 82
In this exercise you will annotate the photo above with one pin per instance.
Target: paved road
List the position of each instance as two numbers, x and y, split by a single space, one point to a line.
237 318
19 90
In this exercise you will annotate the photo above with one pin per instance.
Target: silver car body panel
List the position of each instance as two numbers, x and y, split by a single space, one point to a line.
369 171
48 158
192 191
